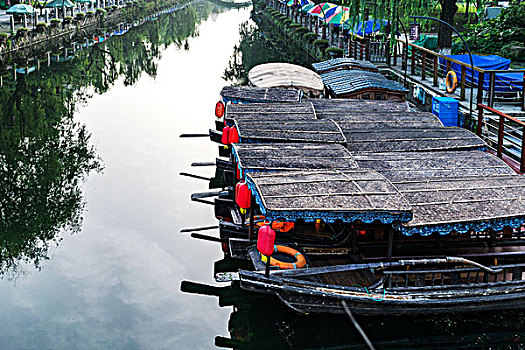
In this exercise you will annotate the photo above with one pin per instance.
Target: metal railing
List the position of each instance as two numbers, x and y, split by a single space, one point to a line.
504 133
429 64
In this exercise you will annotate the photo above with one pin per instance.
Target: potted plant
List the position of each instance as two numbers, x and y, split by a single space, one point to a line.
81 16
101 13
3 38
41 27
321 43
55 22
22 32
68 20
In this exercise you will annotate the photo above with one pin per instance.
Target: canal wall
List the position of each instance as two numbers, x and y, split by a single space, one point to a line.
62 33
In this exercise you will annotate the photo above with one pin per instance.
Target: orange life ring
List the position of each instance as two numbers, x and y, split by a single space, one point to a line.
452 81
300 260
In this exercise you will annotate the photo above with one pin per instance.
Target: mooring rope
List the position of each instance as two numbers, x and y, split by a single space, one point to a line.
357 326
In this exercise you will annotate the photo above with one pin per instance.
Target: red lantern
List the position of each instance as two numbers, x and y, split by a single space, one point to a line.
225 135
219 109
234 135
238 173
266 240
243 195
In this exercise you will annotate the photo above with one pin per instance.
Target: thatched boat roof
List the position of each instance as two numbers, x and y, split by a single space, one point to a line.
256 131
286 75
329 195
270 111
385 120
410 139
236 94
336 106
269 157
343 82
415 166
462 204
343 63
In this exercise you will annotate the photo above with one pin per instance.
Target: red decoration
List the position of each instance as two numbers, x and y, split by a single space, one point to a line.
266 240
219 109
238 173
234 135
225 135
243 195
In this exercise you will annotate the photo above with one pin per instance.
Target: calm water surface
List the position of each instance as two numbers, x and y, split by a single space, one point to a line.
115 282
91 203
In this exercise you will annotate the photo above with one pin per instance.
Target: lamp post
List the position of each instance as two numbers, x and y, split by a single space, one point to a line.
469 54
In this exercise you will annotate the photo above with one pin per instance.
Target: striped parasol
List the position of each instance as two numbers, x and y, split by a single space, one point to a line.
320 9
298 2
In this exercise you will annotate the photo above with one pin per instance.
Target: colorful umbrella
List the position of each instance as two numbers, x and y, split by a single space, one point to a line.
320 9
297 2
305 8
60 3
20 9
331 12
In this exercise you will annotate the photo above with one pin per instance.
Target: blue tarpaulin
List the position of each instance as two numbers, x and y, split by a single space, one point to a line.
378 25
504 81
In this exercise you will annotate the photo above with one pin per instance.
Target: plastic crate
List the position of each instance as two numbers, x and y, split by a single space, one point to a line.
446 109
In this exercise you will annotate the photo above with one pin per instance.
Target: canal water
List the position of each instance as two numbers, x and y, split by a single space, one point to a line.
91 202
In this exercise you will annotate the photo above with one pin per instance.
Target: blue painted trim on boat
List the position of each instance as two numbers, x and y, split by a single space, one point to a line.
462 227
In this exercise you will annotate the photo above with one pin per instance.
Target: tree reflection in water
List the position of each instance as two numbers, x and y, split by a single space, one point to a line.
262 44
45 154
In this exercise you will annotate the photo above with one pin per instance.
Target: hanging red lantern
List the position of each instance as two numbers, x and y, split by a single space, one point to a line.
234 135
225 135
266 240
243 195
219 109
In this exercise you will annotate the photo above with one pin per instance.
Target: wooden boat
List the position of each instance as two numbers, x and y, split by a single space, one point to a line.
404 252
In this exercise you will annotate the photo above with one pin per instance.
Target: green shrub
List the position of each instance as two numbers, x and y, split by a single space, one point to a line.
309 37
334 51
498 34
321 43
287 21
301 30
294 25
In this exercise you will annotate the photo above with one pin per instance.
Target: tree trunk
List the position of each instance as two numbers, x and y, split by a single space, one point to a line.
448 10
467 9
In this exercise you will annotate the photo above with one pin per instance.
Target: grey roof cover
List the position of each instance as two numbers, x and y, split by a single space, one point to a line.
252 157
343 63
343 82
411 139
323 131
254 94
329 195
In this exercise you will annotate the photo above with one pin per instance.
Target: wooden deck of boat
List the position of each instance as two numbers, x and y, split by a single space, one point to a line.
256 94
